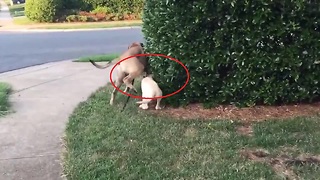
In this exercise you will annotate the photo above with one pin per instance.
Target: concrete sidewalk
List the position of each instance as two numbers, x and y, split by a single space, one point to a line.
5 17
44 96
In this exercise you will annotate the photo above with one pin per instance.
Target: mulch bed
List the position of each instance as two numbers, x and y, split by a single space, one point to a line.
248 114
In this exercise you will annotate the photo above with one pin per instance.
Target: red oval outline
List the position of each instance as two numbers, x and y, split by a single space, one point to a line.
140 97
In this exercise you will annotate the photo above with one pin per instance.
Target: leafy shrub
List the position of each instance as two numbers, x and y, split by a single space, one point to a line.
75 4
95 3
116 6
43 10
85 13
84 16
101 9
110 17
238 52
72 18
100 16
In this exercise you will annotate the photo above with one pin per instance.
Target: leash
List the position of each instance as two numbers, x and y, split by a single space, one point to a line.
125 104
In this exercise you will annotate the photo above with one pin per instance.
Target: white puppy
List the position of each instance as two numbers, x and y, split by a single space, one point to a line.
150 89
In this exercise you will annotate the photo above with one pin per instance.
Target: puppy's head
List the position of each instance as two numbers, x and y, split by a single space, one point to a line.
149 75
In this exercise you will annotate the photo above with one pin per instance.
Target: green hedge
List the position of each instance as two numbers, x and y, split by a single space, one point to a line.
43 10
237 52
75 5
51 10
133 6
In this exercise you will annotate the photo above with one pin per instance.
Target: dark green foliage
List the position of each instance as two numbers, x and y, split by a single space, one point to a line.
67 7
238 52
75 4
133 6
95 3
43 10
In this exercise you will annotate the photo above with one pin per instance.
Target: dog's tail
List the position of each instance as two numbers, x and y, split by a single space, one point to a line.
105 66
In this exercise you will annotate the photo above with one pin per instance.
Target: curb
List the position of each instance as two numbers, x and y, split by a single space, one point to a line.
69 30
35 67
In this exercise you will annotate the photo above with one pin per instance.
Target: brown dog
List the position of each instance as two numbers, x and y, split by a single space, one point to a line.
127 70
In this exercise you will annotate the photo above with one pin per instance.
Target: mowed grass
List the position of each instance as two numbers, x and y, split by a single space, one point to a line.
103 143
95 25
98 58
22 20
17 10
5 90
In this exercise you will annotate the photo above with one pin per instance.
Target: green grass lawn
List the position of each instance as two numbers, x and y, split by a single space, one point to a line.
24 21
5 89
91 25
98 58
17 10
103 143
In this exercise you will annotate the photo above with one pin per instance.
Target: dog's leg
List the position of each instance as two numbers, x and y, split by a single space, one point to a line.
127 89
114 92
128 80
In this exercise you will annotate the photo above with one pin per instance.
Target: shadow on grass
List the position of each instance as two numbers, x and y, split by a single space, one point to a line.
103 143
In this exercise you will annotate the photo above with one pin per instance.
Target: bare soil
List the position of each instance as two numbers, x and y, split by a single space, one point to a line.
245 129
281 164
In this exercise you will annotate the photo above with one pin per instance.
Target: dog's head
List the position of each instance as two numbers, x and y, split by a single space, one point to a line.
136 44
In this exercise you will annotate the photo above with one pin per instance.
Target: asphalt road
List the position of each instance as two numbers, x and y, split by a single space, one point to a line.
24 49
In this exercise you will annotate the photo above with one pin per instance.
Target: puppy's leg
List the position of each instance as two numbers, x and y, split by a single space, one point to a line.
159 94
158 104
144 103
